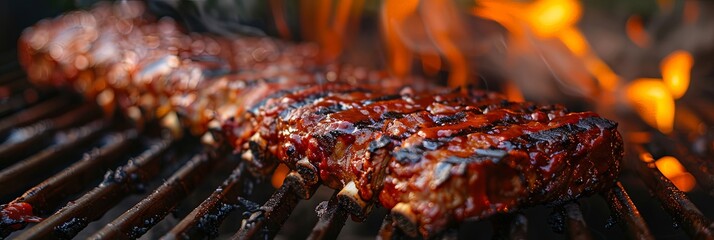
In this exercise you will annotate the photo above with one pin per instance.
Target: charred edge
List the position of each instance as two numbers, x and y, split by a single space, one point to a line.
261 161
350 200
383 98
441 120
414 153
255 109
312 98
301 187
562 135
307 171
380 143
405 219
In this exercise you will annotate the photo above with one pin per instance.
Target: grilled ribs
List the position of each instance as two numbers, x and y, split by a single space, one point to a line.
435 158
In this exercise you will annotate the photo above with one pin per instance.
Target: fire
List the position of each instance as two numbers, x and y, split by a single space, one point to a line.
443 25
676 69
653 102
653 98
675 172
440 21
328 23
279 175
549 19
393 14
512 92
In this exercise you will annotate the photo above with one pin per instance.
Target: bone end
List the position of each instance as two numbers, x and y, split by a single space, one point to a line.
301 188
405 219
349 198
307 171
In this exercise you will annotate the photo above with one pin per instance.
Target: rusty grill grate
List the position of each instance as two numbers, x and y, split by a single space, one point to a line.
57 150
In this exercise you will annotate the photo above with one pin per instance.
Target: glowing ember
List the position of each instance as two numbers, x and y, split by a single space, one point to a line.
653 101
676 69
279 175
675 172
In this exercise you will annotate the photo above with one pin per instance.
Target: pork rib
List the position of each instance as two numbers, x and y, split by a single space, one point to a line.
435 158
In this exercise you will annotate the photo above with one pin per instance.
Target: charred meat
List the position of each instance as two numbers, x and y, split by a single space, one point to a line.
435 158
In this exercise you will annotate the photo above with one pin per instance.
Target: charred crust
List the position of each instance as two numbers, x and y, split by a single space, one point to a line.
380 143
409 155
442 120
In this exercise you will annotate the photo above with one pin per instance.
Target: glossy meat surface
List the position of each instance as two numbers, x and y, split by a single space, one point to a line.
439 158
434 156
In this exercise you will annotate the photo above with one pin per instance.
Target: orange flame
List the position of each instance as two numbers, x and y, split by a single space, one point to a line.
653 102
279 175
676 69
393 13
277 8
675 172
431 63
443 24
653 98
549 19
319 23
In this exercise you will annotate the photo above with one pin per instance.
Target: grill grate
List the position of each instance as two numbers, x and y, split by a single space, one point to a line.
43 131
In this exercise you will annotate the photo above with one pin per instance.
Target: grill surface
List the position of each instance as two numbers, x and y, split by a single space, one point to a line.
93 176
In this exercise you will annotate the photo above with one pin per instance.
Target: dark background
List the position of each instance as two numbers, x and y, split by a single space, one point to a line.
17 15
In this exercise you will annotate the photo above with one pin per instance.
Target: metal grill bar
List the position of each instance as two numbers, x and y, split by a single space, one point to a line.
674 201
23 99
629 217
332 218
16 74
32 170
575 225
71 219
45 109
46 196
144 215
701 169
9 89
271 216
25 141
205 219
39 134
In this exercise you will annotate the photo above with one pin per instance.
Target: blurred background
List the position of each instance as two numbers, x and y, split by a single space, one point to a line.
542 50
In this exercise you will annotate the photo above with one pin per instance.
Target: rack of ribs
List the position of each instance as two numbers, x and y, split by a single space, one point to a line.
434 156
